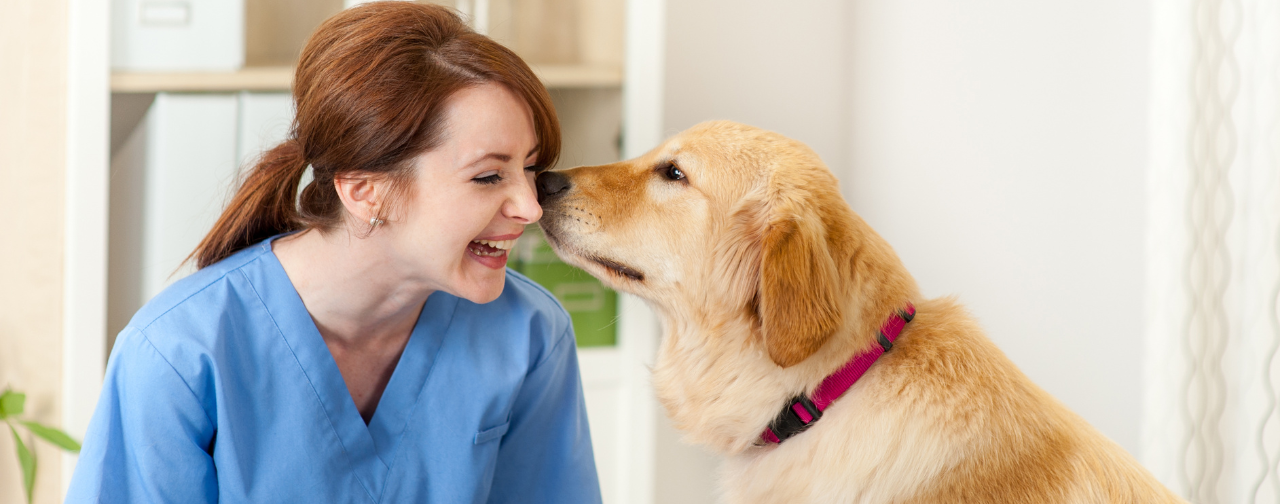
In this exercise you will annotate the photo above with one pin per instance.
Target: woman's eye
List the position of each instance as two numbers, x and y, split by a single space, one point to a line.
492 178
674 172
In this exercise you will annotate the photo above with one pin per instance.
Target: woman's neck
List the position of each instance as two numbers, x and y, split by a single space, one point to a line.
352 291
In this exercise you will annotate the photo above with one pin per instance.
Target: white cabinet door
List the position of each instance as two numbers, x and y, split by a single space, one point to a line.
603 378
190 165
171 180
264 123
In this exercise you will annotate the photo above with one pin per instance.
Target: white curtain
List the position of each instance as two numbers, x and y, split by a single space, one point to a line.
1212 426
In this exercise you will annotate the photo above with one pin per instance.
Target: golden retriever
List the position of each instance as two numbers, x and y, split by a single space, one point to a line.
766 282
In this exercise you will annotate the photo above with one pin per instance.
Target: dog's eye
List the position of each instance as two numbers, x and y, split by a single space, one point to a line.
673 172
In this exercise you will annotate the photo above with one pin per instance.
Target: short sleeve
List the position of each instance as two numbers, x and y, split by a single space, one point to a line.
546 454
150 438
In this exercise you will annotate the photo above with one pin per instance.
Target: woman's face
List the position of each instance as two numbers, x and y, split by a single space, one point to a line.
472 196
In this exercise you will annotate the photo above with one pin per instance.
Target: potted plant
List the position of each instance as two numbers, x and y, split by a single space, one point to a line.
11 405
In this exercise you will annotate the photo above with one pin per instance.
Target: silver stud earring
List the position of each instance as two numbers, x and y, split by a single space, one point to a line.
375 222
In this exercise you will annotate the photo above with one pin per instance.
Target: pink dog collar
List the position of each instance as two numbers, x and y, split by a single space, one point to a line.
802 411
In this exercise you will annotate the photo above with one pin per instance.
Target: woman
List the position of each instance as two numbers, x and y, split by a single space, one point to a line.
362 341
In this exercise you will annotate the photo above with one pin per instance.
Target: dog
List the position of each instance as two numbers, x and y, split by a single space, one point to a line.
772 294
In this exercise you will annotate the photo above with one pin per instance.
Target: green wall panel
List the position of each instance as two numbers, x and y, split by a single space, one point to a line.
593 307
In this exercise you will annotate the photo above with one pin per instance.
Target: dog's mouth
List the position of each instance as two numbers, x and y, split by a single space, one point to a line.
618 269
612 267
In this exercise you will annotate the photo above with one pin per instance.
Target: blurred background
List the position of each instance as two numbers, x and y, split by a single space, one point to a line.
1097 180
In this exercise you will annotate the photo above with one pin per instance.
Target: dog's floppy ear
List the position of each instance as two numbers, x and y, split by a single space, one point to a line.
798 294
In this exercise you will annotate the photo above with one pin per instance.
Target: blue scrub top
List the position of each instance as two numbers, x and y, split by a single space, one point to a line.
221 389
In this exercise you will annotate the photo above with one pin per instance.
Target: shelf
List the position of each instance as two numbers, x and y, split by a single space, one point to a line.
246 79
278 79
578 76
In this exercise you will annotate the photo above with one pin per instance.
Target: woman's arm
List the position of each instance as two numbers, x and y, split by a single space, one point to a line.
546 454
150 439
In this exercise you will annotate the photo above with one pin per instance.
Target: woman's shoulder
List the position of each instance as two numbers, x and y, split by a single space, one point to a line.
193 325
204 294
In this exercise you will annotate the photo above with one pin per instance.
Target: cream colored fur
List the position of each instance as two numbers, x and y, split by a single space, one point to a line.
766 282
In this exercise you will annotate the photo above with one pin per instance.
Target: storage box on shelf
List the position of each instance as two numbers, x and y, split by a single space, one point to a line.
167 35
187 46
162 36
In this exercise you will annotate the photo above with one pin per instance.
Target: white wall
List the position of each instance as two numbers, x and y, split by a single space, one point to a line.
35 138
776 65
1000 146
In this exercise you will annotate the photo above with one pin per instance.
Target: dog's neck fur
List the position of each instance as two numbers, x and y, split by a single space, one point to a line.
878 282
706 357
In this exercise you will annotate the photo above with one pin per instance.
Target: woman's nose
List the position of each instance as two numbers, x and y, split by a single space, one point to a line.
523 205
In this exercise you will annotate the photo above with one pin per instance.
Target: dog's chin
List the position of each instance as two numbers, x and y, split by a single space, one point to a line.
612 271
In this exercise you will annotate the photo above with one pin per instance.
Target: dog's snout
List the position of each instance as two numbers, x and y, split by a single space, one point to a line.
551 185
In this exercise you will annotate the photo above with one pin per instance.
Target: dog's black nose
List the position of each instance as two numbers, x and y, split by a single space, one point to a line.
551 185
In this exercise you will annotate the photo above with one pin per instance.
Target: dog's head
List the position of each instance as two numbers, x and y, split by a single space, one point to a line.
740 240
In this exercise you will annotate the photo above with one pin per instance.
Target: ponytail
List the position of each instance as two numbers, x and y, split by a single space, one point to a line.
263 206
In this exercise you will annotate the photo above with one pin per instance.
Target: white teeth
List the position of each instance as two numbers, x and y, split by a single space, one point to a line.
504 244
501 246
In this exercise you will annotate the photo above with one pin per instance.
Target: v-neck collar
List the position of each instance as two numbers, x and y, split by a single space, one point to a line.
371 448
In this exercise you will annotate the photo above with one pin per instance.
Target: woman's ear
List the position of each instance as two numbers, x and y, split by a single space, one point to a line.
798 299
360 194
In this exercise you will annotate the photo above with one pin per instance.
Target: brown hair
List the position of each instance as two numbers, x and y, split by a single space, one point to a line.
370 93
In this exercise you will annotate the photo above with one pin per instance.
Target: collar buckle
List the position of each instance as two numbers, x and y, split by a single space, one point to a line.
799 414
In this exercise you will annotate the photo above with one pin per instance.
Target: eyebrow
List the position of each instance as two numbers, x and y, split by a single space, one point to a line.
500 157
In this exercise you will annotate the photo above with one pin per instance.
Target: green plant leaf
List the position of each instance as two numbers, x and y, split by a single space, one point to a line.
11 403
53 435
28 462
